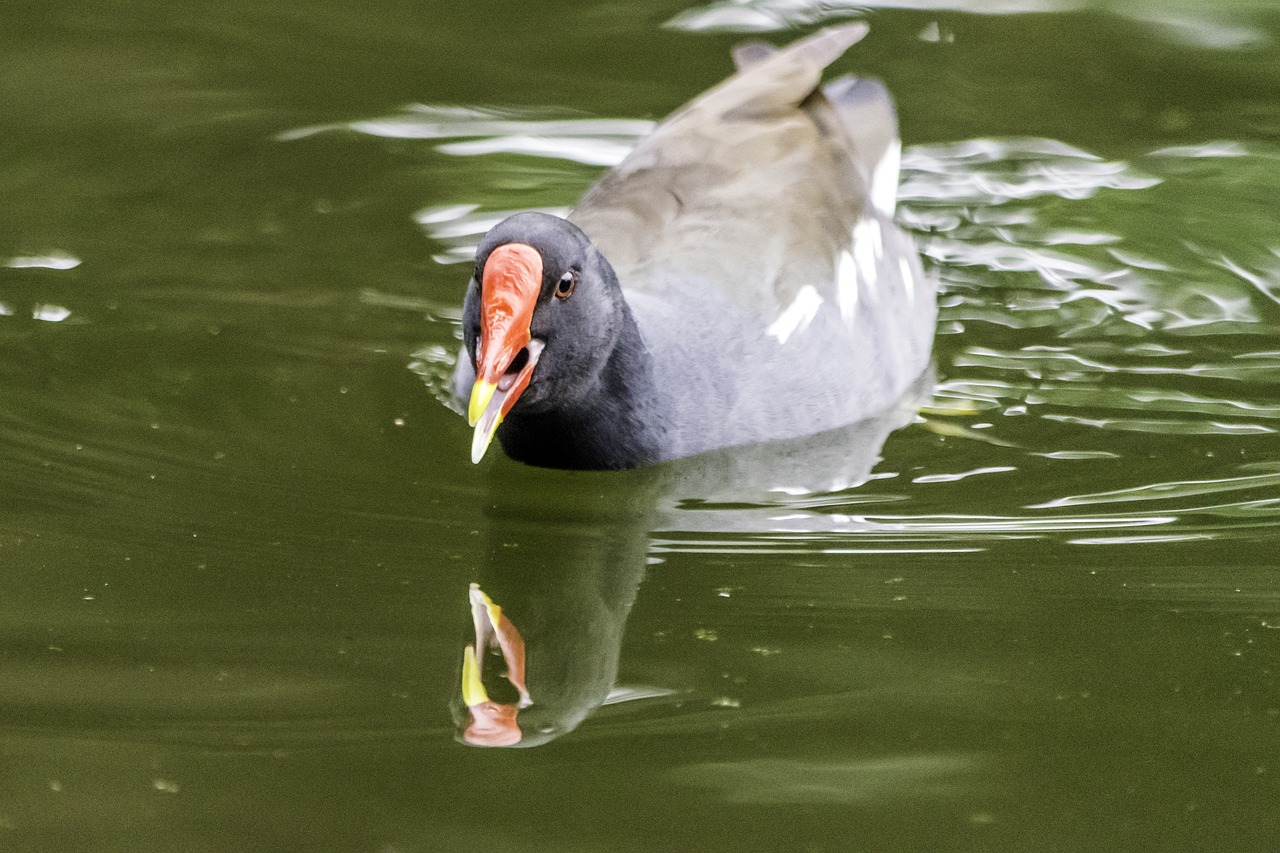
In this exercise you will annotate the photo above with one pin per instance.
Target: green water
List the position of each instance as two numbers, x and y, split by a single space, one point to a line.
237 525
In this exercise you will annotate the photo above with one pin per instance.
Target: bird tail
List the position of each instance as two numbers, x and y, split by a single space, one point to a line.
870 120
821 49
859 109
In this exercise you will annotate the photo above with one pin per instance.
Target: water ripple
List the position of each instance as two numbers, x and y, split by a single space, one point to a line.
1166 491
998 171
1071 315
839 533
460 227
597 141
51 261
1165 427
1214 27
951 478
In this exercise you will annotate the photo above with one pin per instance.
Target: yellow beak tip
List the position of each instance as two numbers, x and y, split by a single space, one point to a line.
481 394
473 692
481 397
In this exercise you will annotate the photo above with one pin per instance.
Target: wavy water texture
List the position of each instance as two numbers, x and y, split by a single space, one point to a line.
1164 334
1222 26
1167 334
474 131
1244 505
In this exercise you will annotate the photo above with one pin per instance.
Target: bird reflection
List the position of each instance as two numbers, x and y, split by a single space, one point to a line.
550 603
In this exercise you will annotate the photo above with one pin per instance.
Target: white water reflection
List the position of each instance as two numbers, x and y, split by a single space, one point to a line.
997 171
1167 491
50 313
819 533
951 478
592 152
1217 26
755 16
1214 148
594 141
1165 426
51 261
460 226
480 132
1141 540
1046 362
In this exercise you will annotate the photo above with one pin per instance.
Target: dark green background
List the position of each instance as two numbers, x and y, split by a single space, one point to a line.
237 529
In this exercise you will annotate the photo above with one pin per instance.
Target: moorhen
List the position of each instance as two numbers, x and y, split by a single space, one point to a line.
738 278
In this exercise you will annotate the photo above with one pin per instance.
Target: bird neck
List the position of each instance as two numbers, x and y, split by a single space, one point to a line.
617 423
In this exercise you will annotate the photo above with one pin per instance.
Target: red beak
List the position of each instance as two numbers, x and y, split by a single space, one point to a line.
508 293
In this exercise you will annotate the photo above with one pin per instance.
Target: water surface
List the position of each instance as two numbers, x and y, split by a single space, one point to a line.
238 526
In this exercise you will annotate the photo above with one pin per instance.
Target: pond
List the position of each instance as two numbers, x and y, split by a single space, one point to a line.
1035 606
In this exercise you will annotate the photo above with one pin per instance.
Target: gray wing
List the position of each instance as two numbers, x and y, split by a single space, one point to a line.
753 235
754 186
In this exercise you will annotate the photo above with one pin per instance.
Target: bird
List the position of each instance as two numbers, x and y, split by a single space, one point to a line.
737 278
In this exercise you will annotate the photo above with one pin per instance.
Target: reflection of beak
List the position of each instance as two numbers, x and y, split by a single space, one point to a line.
473 692
494 630
492 723
507 352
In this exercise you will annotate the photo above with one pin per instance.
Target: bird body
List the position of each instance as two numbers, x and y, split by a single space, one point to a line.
738 278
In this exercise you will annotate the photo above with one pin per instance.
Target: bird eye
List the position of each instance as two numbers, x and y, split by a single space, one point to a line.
566 284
